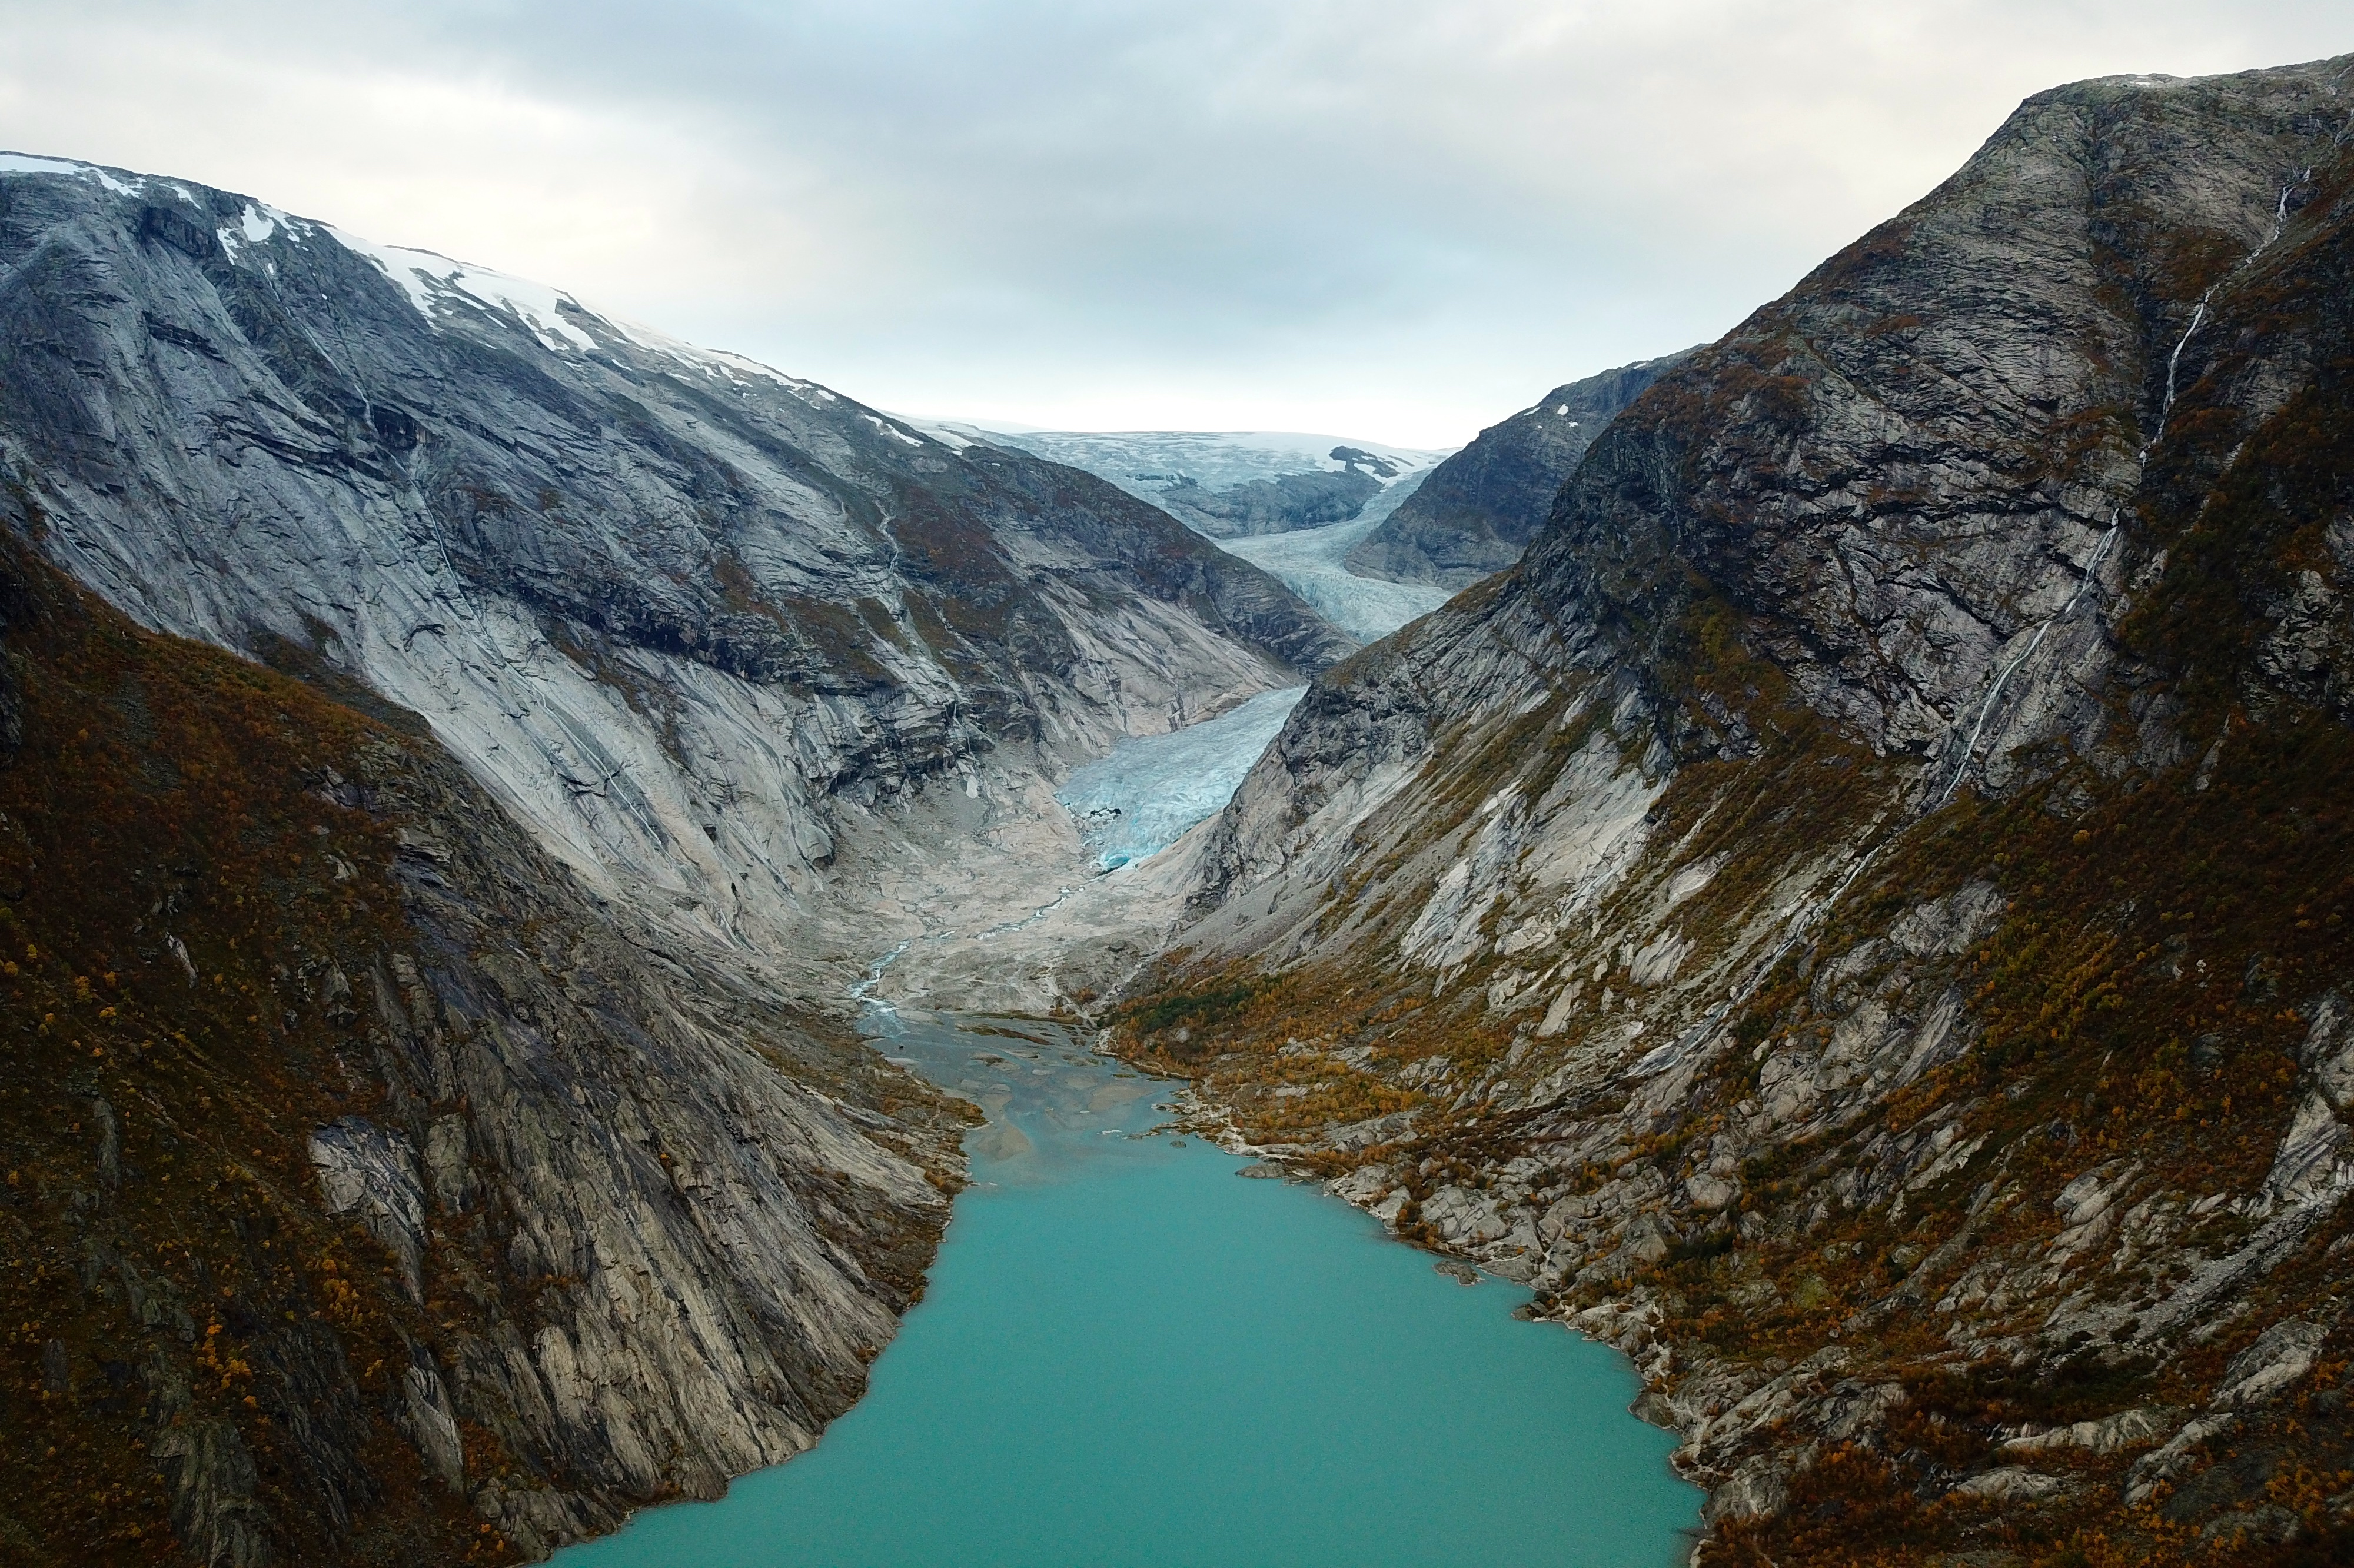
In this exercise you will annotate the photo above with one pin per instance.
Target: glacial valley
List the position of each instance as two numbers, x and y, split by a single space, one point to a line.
1822 859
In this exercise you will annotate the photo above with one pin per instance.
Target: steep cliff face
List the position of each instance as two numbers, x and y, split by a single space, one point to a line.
691 620
1859 915
370 1196
1478 511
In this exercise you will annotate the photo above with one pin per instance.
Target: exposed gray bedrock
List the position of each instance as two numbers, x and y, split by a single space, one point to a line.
1475 513
693 622
1920 488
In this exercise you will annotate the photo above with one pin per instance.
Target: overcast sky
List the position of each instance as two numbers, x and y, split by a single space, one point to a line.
1400 222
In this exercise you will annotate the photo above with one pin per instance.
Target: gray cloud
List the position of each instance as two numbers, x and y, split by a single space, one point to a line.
1402 220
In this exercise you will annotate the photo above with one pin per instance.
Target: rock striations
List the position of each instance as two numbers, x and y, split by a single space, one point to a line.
432 1130
1859 916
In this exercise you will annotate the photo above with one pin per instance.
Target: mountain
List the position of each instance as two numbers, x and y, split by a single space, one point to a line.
435 1125
695 622
1229 484
1477 511
1859 915
370 1196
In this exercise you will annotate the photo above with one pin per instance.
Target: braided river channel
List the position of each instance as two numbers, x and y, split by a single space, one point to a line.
1129 1358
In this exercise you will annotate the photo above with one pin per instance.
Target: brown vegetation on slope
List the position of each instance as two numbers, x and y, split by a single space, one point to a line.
180 897
2033 1125
238 914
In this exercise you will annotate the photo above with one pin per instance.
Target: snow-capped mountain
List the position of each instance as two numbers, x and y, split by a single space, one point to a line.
691 619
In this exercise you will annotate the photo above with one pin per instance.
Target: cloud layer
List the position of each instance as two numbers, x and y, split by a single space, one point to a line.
1399 220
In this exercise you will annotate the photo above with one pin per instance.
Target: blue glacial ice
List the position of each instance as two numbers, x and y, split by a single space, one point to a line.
1308 563
1141 799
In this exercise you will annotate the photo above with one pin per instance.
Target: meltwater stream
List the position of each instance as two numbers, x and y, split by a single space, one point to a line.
1129 1358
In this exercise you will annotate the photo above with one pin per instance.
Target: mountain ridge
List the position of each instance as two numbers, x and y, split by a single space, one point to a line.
1853 911
1478 510
816 620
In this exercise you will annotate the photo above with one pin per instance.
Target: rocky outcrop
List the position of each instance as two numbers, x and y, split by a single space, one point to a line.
1478 511
693 622
1856 917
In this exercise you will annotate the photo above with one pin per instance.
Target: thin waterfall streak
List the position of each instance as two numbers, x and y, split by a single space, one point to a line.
2173 366
1994 693
1657 1060
1986 710
1969 758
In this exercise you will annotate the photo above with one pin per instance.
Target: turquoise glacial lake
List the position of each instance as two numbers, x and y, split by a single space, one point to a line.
1129 1358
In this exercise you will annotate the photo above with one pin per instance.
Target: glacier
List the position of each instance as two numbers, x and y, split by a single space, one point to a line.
1311 563
1141 798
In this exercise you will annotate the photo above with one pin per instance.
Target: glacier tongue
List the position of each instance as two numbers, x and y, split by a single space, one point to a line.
1311 563
1138 801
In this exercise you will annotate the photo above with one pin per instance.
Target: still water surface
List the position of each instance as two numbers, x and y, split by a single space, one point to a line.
1129 1358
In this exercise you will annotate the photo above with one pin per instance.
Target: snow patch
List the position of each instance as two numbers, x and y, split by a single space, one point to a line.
27 164
893 432
253 226
434 282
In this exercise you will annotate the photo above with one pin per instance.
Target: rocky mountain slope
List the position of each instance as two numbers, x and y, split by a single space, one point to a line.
696 623
370 1197
1858 917
433 1125
1236 485
1475 513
